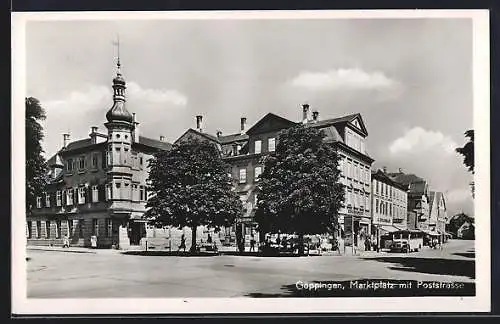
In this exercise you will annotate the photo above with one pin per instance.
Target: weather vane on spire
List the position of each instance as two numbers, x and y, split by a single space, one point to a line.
117 44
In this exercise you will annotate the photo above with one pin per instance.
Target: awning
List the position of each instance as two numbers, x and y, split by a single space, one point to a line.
387 228
432 233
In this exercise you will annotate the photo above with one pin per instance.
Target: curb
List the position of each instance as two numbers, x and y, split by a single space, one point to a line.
60 250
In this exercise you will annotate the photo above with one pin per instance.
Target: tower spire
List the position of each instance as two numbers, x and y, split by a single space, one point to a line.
118 111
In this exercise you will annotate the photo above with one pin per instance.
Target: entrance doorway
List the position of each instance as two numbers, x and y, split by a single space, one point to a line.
137 230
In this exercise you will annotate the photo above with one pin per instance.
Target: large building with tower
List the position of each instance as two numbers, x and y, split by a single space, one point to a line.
96 187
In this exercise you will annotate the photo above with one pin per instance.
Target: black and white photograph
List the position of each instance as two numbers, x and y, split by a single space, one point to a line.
251 162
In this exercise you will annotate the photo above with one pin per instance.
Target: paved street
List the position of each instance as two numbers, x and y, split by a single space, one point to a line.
110 274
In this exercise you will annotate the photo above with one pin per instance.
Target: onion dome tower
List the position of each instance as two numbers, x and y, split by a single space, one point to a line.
120 127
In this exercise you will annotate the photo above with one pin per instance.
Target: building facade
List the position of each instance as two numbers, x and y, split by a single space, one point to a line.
437 213
389 204
418 197
96 187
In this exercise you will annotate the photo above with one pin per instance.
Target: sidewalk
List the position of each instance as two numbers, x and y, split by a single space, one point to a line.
72 249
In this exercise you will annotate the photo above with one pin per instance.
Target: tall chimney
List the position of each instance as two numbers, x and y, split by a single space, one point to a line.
243 124
93 134
199 123
219 133
162 138
136 128
65 140
315 115
400 170
385 169
305 113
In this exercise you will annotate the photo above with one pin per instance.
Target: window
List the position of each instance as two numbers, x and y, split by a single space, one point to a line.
108 158
109 227
376 186
70 228
38 229
81 163
58 228
258 146
271 144
108 191
69 165
142 195
38 202
69 196
47 200
58 198
81 195
47 229
140 161
258 172
349 169
95 227
95 193
94 161
243 175
80 228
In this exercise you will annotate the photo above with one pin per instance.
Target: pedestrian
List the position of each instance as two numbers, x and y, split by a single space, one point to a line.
336 245
183 243
65 242
209 239
252 243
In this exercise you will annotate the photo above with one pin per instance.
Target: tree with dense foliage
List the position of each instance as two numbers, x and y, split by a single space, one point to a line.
299 190
467 151
36 166
190 187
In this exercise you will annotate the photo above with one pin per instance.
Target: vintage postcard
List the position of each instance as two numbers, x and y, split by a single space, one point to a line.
251 162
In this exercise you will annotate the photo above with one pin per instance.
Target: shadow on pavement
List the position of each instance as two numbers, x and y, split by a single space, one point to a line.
451 267
170 253
466 254
371 288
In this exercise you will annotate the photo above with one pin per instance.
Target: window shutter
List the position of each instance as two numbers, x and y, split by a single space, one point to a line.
75 196
88 196
103 159
101 192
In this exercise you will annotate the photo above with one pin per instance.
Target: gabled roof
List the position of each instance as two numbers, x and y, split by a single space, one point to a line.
342 120
195 132
432 194
153 143
276 122
79 144
415 184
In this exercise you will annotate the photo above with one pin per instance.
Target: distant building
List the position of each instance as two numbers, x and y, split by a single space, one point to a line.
389 204
418 196
243 152
437 212
96 187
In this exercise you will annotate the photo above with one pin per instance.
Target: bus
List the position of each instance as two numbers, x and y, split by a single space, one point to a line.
407 241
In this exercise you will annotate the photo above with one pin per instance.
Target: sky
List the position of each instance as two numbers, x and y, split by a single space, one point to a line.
411 80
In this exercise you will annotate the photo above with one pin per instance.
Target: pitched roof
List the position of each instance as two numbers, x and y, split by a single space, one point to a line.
415 184
79 144
154 143
331 134
269 117
206 135
432 194
340 120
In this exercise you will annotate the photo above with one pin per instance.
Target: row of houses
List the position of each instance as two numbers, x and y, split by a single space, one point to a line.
97 187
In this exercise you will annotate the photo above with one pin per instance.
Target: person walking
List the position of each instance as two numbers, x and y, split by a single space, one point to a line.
65 242
252 243
183 243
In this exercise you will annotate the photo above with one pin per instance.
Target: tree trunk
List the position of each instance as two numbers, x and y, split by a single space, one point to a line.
301 244
193 239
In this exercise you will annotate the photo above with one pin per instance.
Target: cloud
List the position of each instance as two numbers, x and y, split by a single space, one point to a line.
419 139
91 103
459 196
340 79
157 96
